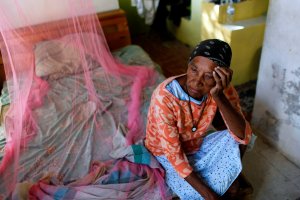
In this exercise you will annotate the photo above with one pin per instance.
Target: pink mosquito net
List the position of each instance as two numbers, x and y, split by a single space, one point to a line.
75 126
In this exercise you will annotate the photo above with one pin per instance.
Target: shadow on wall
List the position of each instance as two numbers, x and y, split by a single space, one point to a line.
210 26
255 62
136 24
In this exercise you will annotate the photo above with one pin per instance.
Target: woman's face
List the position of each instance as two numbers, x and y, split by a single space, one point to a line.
200 78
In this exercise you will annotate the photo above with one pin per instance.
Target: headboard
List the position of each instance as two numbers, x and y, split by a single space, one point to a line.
114 25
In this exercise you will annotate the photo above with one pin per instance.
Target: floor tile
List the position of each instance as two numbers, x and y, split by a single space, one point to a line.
271 174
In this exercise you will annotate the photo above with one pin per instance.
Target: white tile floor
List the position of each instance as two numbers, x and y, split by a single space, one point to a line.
271 174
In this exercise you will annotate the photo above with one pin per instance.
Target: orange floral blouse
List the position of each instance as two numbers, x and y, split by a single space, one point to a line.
169 126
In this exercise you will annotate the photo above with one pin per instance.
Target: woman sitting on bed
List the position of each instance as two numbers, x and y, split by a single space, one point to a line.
200 162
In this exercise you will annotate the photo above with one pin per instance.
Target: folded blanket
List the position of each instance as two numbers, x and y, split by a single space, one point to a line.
125 180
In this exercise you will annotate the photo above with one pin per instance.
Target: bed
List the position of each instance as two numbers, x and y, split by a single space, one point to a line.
67 153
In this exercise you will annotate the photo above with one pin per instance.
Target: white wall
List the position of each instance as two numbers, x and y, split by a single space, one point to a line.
39 11
105 5
277 103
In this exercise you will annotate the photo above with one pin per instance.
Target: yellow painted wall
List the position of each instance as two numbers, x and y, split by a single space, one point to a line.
244 10
246 47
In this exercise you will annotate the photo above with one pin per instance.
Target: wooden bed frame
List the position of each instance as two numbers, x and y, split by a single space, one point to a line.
113 23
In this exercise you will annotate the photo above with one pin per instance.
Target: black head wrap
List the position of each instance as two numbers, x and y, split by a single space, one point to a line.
216 50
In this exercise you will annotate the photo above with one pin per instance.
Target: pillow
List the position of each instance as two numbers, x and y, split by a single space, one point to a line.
135 55
61 57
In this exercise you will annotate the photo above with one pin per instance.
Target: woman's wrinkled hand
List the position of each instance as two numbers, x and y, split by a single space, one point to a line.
223 78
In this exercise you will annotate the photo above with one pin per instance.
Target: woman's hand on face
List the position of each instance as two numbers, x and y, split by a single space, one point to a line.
223 78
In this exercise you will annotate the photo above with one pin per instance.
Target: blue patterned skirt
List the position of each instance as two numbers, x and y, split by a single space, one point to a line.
218 162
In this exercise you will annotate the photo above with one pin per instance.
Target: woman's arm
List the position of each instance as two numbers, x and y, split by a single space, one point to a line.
195 181
234 119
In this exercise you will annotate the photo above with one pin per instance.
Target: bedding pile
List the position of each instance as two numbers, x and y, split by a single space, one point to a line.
76 118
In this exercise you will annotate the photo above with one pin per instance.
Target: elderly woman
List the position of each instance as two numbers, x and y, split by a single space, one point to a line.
200 162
